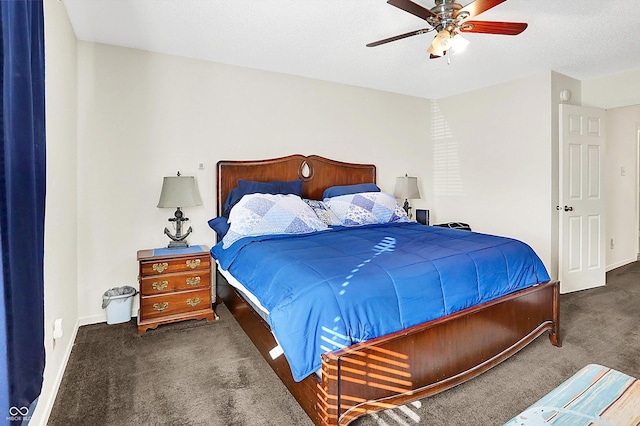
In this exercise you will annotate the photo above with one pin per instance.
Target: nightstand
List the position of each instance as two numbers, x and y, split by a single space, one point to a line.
175 285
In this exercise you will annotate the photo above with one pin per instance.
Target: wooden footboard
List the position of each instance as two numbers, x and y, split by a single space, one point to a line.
435 356
417 362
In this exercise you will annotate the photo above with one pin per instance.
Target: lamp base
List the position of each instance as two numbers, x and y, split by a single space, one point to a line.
178 244
407 207
178 240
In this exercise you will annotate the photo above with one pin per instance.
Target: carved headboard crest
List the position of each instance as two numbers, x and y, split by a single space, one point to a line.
306 171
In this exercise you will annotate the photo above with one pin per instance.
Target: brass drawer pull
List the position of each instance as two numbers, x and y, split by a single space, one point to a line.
193 302
160 267
193 280
160 306
193 264
161 285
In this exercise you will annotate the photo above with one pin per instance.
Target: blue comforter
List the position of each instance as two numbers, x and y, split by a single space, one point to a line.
331 289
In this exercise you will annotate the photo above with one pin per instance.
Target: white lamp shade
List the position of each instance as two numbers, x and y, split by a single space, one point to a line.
442 40
407 188
179 191
459 43
434 51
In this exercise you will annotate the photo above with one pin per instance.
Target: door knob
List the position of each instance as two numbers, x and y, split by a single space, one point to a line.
568 208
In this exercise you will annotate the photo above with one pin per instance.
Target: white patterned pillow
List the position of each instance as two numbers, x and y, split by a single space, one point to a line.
366 208
323 212
268 214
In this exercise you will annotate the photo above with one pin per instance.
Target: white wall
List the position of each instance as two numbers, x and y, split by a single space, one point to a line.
615 92
144 115
60 251
612 91
492 160
622 216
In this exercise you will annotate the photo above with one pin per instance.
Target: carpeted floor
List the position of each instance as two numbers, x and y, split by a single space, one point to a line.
187 373
198 373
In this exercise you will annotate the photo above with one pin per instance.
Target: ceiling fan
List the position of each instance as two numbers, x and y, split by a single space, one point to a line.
450 19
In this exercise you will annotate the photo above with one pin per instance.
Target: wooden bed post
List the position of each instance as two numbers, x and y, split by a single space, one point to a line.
554 333
329 399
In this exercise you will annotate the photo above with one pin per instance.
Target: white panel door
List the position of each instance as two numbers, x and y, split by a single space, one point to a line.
582 201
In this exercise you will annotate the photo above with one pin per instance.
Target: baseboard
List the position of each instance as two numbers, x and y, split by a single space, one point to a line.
44 406
98 318
92 319
619 264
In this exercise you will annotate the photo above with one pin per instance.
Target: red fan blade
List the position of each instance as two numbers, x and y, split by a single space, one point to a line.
487 27
478 6
414 9
398 37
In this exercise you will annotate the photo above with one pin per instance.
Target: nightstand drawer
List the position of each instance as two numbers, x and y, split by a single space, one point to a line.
171 282
166 266
175 303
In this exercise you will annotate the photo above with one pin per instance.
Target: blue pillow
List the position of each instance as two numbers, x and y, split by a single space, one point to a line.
220 225
252 187
335 191
232 200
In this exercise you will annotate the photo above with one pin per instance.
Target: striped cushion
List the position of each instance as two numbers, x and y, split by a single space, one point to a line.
595 395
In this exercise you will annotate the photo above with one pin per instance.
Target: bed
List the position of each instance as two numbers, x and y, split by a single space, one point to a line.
402 366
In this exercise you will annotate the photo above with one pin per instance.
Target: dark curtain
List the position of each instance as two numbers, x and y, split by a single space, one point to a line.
22 196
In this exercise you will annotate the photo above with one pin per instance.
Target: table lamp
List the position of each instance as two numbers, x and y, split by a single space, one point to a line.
407 188
177 192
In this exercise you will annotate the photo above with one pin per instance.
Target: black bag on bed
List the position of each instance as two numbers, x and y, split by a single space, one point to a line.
455 225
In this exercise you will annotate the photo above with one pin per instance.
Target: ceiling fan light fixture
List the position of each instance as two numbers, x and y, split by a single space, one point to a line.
443 40
459 43
434 51
440 44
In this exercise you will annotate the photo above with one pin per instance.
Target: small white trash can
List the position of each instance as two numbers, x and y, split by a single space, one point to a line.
118 302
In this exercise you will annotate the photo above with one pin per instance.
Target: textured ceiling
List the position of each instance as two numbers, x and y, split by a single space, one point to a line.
325 39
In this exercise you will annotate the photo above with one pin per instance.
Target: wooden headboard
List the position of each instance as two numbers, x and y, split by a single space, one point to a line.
317 173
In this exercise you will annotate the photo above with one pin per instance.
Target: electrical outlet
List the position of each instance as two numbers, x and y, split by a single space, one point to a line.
58 331
612 244
200 166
